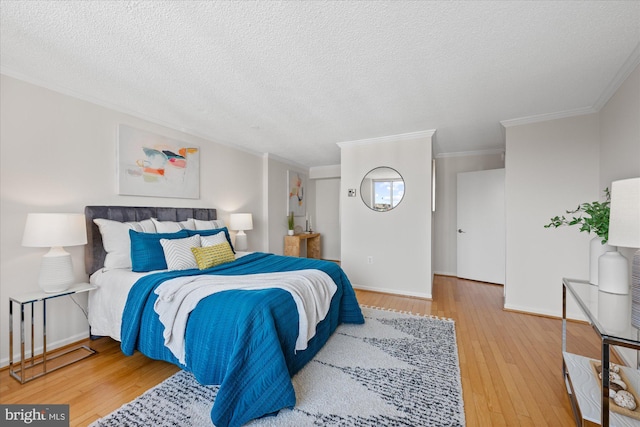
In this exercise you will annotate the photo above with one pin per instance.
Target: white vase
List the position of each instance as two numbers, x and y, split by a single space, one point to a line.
290 232
613 273
596 249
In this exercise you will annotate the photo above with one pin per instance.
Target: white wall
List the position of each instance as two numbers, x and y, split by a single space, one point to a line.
620 137
399 241
620 149
445 234
620 133
277 187
327 217
551 166
58 154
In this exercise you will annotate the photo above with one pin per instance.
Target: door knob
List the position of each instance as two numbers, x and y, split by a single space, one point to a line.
460 230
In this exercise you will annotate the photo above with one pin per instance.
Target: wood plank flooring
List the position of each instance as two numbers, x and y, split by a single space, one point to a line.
511 365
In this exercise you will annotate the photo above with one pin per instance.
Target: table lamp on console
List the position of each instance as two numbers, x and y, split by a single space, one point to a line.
55 230
624 231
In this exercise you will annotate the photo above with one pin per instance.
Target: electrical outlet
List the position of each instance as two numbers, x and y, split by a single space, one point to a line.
351 192
369 260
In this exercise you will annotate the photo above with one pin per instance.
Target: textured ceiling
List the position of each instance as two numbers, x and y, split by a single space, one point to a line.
295 78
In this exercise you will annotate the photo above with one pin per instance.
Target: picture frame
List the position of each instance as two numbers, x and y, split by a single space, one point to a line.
296 188
153 165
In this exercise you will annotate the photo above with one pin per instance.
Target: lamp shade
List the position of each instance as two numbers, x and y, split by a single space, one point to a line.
624 216
54 229
241 221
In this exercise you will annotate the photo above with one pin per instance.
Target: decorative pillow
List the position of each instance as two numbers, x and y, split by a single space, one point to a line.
213 240
213 232
146 251
210 256
116 242
172 227
177 252
208 225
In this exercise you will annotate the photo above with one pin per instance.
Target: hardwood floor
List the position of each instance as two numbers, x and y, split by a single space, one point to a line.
510 362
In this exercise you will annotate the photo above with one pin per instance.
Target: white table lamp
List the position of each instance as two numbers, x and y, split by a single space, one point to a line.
624 231
241 222
55 230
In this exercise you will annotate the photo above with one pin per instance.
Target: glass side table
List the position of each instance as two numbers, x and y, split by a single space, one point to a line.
609 315
34 366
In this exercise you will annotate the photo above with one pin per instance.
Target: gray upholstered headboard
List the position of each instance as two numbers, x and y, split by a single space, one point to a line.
94 251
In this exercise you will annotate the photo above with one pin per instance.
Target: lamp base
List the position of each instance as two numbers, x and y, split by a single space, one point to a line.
241 241
56 271
613 273
596 250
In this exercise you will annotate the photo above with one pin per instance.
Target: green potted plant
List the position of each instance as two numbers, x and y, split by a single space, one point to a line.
596 221
593 218
290 224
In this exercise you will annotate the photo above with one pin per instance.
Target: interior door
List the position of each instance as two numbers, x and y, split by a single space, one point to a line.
481 226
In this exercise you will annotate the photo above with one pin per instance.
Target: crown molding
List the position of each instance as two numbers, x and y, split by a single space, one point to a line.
289 162
623 73
389 138
548 116
487 152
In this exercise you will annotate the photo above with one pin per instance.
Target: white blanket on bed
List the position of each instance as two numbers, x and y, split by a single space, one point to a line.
311 290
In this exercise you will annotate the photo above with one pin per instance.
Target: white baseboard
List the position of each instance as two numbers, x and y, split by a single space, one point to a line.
393 291
529 310
445 273
38 350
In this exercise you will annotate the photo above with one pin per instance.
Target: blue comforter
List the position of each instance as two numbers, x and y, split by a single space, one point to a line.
242 340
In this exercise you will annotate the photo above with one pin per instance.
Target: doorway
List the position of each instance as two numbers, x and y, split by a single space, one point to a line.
481 226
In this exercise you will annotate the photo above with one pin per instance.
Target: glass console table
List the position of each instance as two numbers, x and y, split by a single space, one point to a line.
609 315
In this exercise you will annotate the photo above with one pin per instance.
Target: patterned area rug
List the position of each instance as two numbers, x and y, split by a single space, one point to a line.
395 370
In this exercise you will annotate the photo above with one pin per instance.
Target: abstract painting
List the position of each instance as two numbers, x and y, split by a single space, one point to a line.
156 166
296 183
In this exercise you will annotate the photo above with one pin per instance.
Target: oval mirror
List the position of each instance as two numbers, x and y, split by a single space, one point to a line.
382 189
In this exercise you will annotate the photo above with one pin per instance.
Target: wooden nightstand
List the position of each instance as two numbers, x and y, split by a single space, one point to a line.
312 241
36 365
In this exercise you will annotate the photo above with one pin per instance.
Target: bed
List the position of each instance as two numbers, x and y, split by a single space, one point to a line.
251 321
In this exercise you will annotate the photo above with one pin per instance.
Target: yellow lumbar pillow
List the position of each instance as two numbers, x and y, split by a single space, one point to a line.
210 256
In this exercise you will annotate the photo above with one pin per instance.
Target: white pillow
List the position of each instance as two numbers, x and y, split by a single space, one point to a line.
146 226
116 242
178 254
216 239
172 227
208 225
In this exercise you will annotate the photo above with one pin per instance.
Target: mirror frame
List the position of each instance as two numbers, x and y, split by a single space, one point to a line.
369 191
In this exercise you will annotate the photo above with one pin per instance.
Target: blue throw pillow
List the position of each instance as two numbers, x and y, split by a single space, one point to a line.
211 233
146 250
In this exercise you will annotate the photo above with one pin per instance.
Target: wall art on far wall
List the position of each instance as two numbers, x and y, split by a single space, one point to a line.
296 182
156 166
